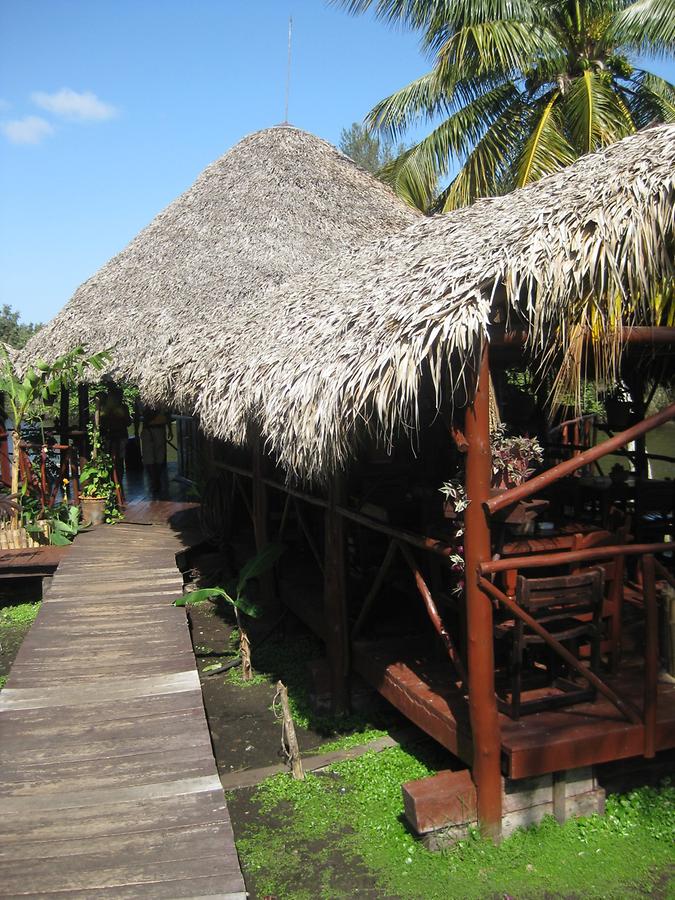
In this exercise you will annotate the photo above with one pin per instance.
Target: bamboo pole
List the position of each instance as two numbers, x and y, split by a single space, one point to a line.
480 639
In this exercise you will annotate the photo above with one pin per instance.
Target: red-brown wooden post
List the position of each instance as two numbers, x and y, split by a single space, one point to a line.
335 599
260 515
651 655
83 417
480 646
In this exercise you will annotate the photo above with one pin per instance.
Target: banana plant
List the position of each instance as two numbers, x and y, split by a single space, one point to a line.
238 599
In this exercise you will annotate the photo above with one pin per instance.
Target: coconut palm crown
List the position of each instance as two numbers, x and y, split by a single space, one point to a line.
522 88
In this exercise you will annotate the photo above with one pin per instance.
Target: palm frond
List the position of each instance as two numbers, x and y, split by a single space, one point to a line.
415 173
596 114
647 26
652 99
423 98
498 48
546 149
488 168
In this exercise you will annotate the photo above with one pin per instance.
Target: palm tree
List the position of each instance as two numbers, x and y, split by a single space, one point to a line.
523 88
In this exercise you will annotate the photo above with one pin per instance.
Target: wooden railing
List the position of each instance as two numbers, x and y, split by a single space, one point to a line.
648 716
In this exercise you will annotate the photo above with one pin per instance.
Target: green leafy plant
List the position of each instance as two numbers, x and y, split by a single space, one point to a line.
512 457
96 477
59 524
237 598
40 384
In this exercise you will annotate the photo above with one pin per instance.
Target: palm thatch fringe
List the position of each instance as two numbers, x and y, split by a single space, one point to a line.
344 346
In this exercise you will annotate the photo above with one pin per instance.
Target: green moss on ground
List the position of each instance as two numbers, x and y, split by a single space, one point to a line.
20 615
354 812
15 620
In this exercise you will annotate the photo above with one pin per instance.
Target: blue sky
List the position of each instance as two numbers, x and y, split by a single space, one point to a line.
109 110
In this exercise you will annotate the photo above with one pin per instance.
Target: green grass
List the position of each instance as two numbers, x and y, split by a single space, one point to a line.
355 739
21 615
355 812
15 620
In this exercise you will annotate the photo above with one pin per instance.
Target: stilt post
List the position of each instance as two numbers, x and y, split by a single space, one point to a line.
260 515
83 417
335 598
64 438
480 640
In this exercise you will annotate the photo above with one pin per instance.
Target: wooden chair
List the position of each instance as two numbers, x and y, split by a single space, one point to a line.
569 607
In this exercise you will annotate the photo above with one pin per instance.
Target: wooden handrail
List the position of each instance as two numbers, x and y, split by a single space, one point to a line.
538 561
625 707
539 482
406 537
635 334
434 615
230 467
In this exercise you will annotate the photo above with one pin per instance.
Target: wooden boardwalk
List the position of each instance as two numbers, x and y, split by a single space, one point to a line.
108 786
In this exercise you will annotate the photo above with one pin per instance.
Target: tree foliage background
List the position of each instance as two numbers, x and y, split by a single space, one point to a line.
12 330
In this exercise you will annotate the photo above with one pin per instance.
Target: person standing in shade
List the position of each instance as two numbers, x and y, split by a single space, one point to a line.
156 430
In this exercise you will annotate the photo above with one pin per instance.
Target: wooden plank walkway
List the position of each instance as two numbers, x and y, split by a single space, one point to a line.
108 786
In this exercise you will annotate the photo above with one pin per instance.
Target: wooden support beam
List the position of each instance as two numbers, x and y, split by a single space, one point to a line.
480 638
651 654
83 416
335 598
260 516
64 429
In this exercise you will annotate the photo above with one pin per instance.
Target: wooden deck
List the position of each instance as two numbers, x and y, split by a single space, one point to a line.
108 786
31 562
580 735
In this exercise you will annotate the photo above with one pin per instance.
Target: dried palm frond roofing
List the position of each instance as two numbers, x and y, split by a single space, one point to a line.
278 199
345 345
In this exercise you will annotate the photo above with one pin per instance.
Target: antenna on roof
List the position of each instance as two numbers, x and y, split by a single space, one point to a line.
288 71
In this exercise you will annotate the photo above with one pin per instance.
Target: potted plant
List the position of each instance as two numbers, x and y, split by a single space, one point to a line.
97 486
513 457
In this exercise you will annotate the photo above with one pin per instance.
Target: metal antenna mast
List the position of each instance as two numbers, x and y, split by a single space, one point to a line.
288 71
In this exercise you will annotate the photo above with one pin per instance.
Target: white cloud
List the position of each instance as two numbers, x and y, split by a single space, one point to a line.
29 130
69 104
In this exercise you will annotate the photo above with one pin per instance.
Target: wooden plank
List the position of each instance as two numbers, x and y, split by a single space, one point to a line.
109 689
90 873
108 787
104 774
103 819
27 805
82 740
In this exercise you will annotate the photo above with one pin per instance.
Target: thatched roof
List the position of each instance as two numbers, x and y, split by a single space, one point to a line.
344 345
278 199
